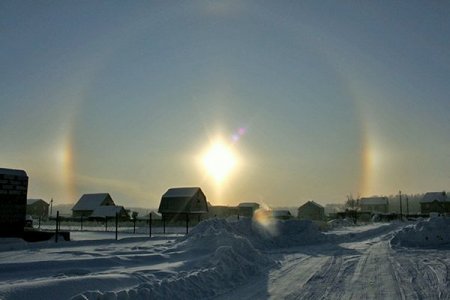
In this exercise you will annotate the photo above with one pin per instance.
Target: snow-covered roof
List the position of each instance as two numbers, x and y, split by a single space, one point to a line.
181 192
90 201
434 196
13 172
107 211
373 201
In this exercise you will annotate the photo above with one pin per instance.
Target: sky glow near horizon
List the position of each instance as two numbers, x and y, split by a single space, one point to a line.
317 100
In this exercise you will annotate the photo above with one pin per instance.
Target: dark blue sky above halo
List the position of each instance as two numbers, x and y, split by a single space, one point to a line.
336 98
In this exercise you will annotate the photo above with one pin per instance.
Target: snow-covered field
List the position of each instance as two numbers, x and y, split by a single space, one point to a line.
222 259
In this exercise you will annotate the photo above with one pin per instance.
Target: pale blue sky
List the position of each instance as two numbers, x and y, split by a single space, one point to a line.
336 97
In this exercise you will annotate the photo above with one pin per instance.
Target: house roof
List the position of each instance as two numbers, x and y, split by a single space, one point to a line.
311 202
374 201
434 196
90 201
13 172
281 213
107 211
32 201
249 204
181 192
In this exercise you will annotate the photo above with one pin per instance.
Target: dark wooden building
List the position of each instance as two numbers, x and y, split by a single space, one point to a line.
435 202
311 211
181 203
374 204
247 209
37 208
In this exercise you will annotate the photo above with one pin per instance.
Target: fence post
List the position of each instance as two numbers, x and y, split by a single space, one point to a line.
39 227
150 224
187 223
106 223
134 225
81 223
164 223
57 227
117 223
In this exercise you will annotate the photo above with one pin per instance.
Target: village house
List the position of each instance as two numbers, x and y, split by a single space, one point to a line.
281 214
435 202
311 211
88 203
37 208
220 211
247 209
181 203
110 211
374 205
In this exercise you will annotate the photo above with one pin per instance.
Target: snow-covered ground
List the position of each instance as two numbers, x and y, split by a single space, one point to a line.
222 259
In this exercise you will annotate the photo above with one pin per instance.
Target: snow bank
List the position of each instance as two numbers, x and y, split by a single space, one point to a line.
10 244
219 255
338 223
428 233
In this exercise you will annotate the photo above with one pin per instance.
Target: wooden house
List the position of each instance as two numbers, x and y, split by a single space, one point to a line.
90 202
180 203
37 208
247 209
435 202
311 211
374 205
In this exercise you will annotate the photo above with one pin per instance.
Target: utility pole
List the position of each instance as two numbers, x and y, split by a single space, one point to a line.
51 207
400 197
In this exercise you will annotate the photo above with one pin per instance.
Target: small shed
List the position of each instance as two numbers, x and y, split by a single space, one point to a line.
37 208
180 203
90 202
110 211
374 204
247 209
311 211
437 202
281 214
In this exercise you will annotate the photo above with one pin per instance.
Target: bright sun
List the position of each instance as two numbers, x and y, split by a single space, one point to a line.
219 160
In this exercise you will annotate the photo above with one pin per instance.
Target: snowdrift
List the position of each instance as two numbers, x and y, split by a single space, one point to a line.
428 233
225 255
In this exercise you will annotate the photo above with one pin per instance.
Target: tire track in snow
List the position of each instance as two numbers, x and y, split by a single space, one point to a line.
423 278
375 277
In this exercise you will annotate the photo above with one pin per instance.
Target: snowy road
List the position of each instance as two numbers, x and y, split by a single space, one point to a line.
215 262
368 269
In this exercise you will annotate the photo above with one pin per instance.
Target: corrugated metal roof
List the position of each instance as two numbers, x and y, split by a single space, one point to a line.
435 196
90 201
